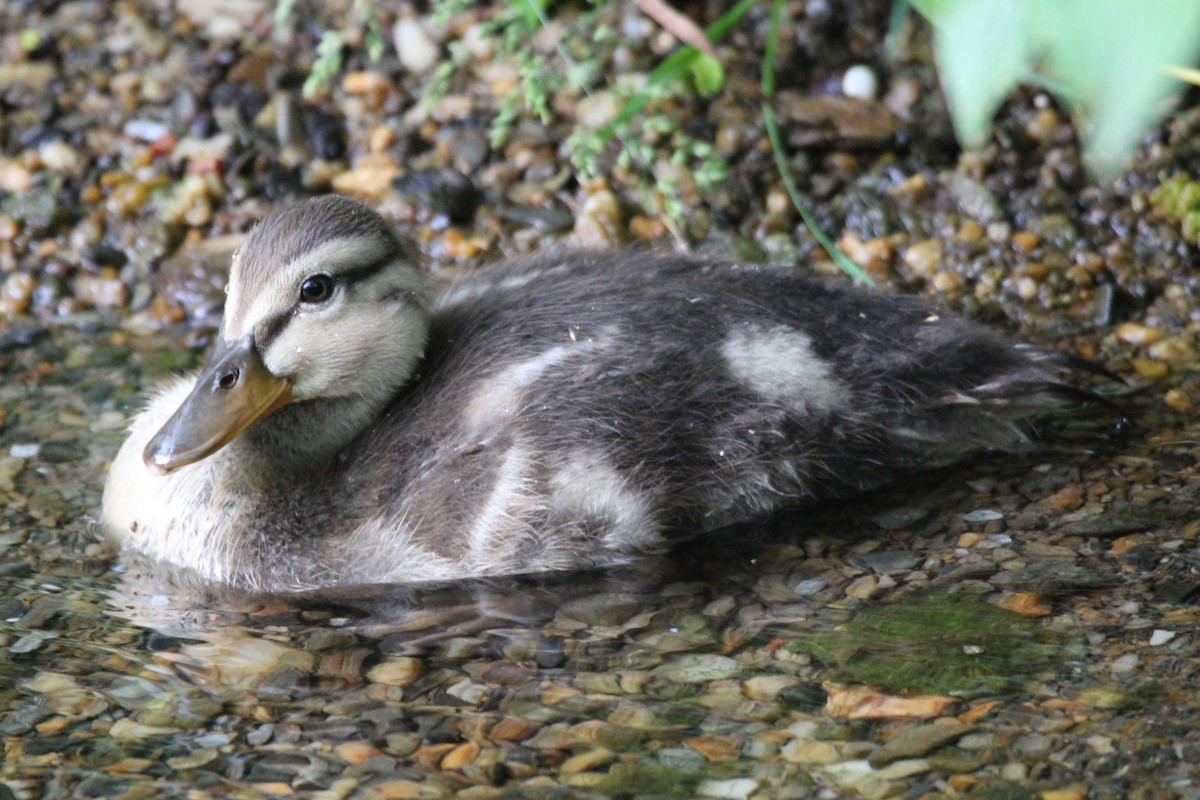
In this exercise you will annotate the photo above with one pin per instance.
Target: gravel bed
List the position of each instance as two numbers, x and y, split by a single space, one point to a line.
1019 627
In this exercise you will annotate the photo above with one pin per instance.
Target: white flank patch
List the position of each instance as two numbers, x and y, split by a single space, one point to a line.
497 527
588 486
780 366
499 396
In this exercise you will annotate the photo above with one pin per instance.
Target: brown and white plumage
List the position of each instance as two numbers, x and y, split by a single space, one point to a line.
560 412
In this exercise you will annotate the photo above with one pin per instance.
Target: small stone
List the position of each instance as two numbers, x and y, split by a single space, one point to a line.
1027 604
460 756
10 468
393 790
102 292
860 81
587 761
1138 335
1066 499
1074 792
768 687
371 176
601 223
863 588
1025 241
356 752
949 283
861 702
145 130
128 729
374 85
512 729
799 751
397 671
924 258
1151 370
1178 400
1160 637
716 748
1125 663
698 668
982 515
1175 350
14 176
16 293
732 789
417 50
646 228
917 741
58 155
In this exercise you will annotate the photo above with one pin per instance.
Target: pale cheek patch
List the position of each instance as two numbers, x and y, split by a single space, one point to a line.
779 365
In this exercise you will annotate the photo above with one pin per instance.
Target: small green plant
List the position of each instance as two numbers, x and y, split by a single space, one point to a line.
1178 199
361 26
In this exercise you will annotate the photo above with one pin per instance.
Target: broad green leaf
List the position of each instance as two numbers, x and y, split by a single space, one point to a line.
1111 56
983 49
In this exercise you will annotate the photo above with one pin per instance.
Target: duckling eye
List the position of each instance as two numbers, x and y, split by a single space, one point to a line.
316 289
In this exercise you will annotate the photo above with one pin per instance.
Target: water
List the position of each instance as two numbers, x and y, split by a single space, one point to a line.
790 660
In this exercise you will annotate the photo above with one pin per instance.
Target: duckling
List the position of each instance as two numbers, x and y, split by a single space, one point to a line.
356 426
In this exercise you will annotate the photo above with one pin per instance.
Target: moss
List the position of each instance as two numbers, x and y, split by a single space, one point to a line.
647 780
936 643
1178 199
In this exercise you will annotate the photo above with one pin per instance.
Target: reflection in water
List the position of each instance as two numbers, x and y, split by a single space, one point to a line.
702 672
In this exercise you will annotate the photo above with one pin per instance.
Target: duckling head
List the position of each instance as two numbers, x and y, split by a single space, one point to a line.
325 319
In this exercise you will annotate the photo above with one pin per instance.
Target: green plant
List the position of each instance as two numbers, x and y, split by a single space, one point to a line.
361 26
1105 59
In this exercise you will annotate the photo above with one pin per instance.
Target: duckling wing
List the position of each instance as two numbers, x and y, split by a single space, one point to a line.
598 404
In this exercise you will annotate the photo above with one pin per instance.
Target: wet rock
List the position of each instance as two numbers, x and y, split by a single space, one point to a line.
443 191
917 741
417 49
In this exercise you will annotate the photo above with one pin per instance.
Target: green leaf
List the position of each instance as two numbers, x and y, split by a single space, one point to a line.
1111 57
983 51
708 75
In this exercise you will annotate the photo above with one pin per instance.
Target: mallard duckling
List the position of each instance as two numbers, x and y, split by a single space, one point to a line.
567 411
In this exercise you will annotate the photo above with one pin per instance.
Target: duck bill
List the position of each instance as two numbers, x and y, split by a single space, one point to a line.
235 390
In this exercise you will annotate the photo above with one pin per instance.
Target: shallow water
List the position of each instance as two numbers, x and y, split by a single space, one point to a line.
792 662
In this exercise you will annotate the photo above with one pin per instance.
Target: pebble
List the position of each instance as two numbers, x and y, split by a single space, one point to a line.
145 130
396 671
102 292
1138 335
924 258
860 81
16 293
917 741
1125 663
698 668
600 224
1151 370
417 50
1160 637
730 789
1178 400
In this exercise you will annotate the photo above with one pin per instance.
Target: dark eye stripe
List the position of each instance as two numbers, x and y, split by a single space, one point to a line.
273 326
367 270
